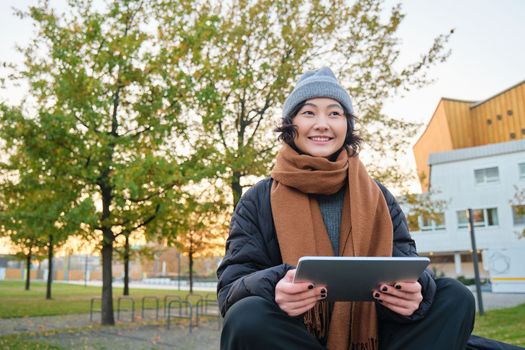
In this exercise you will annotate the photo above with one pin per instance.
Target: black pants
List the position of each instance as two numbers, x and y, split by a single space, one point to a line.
255 323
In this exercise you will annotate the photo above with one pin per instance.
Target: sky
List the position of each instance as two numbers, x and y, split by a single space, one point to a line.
487 50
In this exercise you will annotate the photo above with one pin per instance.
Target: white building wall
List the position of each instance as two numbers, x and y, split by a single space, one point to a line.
452 176
456 184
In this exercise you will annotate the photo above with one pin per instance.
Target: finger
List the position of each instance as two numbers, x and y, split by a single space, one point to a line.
294 288
298 312
302 310
294 308
290 275
412 302
298 304
399 309
408 286
287 286
401 291
396 297
281 295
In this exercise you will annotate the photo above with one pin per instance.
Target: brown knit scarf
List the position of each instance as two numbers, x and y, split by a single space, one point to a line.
366 230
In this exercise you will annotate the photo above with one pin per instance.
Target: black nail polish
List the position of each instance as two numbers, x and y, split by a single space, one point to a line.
323 290
377 295
384 289
398 286
380 300
310 286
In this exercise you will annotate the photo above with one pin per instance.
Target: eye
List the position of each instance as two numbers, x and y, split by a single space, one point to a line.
335 114
307 113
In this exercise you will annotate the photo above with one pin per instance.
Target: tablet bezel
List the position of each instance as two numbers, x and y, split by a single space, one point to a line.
354 278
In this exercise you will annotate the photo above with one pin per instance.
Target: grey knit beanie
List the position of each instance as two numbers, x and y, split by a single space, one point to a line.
317 83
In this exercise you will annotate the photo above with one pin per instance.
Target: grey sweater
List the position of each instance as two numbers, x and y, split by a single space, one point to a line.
331 210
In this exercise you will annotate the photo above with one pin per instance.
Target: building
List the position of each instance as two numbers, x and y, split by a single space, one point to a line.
458 124
472 155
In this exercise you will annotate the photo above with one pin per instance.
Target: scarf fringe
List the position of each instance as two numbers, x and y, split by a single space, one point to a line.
316 320
371 344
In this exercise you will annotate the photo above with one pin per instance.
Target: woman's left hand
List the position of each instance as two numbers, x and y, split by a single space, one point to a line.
401 297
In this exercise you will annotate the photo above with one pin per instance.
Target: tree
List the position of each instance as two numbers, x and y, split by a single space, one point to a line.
205 229
38 215
425 206
196 224
107 88
518 206
127 253
24 239
247 71
204 232
27 249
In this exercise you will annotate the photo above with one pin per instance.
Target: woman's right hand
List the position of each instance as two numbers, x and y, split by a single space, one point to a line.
297 298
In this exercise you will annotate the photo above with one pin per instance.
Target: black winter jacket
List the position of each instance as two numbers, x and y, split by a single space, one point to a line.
253 264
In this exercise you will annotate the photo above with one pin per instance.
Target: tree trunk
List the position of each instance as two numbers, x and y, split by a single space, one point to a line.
126 266
190 257
50 267
107 317
236 188
28 269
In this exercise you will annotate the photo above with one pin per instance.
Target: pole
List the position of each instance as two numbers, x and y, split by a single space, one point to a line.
178 271
85 271
475 261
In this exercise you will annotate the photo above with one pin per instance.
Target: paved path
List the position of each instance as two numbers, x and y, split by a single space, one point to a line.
128 336
77 332
500 300
42 324
205 337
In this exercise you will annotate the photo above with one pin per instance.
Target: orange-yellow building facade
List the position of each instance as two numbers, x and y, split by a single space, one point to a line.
458 124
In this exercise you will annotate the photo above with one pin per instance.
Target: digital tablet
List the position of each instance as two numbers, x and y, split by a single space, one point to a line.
353 278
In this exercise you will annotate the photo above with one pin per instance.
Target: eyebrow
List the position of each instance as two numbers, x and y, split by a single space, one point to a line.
329 106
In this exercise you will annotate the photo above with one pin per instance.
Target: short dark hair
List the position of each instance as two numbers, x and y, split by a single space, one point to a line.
287 131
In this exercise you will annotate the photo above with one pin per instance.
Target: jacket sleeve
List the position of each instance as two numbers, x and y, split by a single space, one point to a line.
248 267
404 245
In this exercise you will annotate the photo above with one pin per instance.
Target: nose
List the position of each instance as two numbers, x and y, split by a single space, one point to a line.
321 123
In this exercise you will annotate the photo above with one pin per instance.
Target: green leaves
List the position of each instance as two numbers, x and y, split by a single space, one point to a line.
144 112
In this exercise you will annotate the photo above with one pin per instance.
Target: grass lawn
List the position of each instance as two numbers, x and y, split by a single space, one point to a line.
507 325
69 298
17 342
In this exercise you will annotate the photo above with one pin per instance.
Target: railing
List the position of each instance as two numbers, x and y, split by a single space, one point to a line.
156 308
91 303
125 298
186 314
193 308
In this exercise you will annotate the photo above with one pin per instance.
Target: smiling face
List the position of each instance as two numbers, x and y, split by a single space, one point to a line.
321 127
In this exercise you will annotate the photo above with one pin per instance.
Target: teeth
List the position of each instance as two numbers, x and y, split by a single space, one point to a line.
320 138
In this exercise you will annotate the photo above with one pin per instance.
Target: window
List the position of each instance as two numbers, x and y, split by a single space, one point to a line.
439 222
413 222
522 170
518 214
486 175
426 223
482 217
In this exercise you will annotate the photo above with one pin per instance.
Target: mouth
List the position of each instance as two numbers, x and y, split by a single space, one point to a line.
320 138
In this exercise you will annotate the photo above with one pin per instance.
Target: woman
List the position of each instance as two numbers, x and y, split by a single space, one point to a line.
321 201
